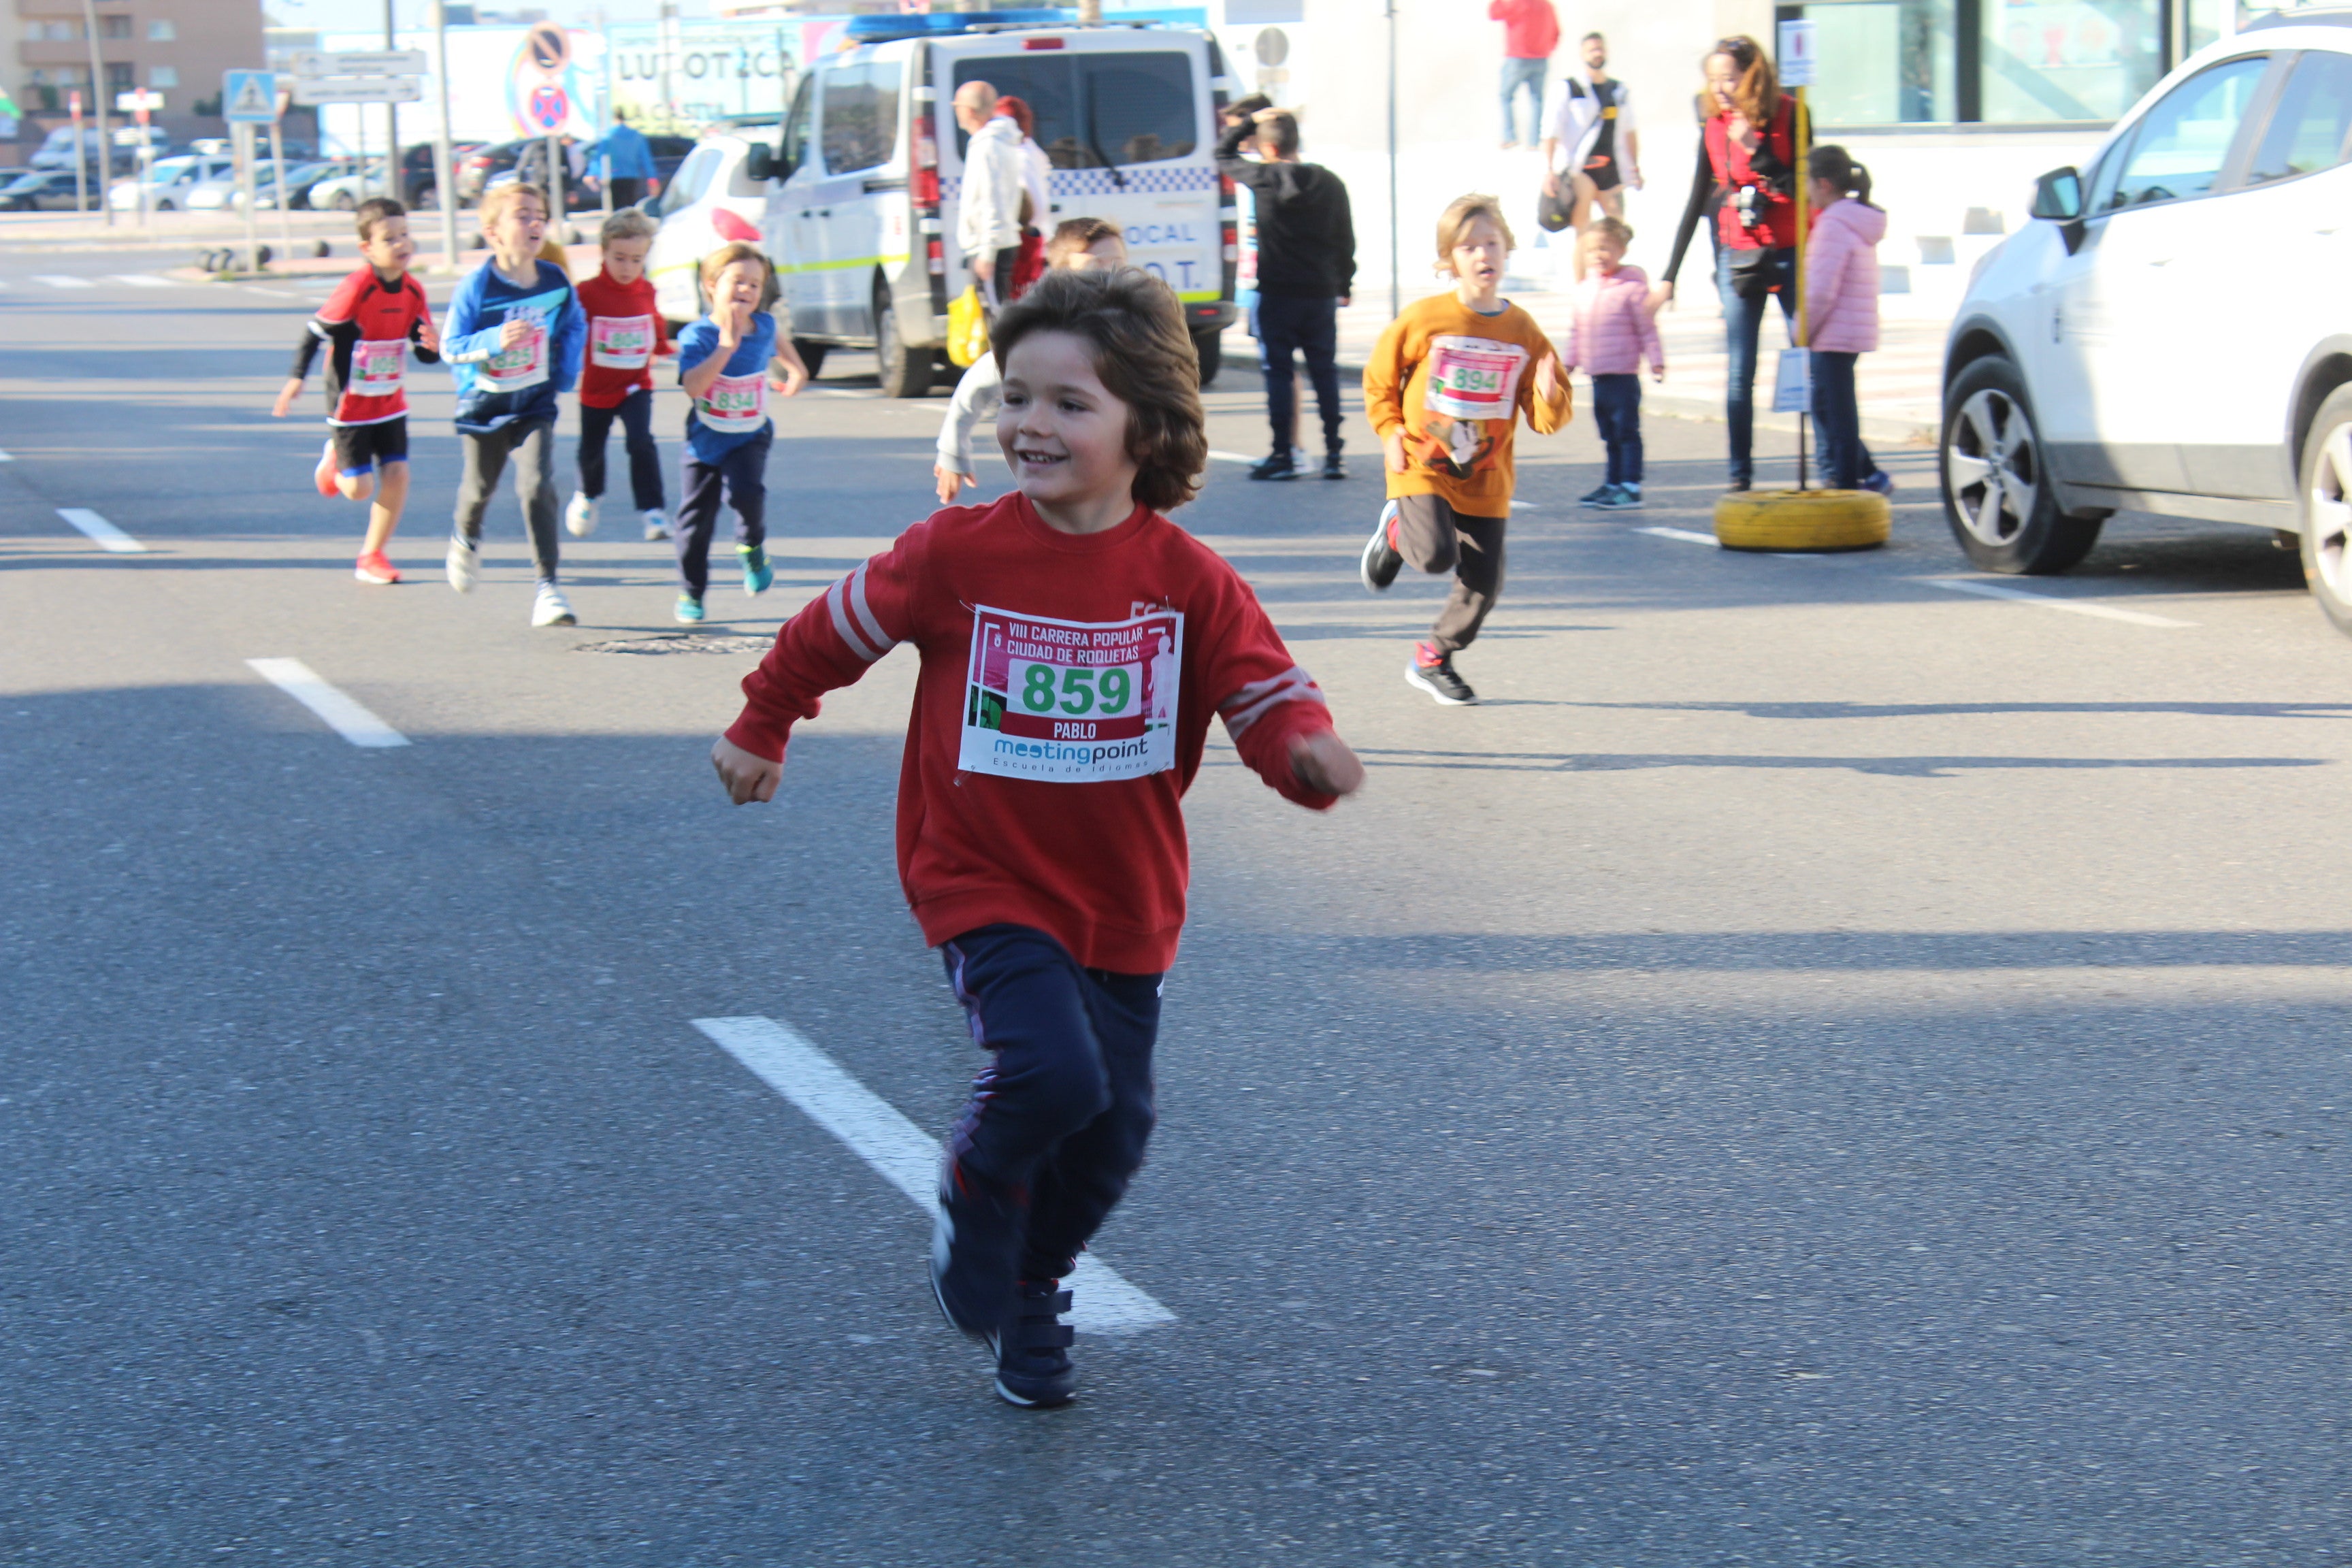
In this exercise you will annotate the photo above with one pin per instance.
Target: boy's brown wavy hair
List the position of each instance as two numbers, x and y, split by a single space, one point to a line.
1145 358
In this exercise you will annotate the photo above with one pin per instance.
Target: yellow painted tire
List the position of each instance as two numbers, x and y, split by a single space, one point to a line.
1801 519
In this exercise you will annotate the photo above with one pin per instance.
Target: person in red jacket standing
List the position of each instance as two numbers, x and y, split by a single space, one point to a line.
1530 33
1075 644
626 334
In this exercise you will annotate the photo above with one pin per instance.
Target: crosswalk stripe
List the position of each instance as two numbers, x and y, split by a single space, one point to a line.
140 279
105 534
902 1153
62 280
342 713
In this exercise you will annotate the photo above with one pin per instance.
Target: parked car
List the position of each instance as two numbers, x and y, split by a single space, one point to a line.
343 192
293 187
2068 392
419 185
39 189
861 214
485 166
709 200
171 182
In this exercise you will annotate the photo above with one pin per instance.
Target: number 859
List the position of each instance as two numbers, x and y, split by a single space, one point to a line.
1077 691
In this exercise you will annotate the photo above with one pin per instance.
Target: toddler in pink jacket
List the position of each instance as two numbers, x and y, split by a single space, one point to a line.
1611 329
1842 312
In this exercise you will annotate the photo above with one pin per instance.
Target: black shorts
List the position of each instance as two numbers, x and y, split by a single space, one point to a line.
359 449
1602 171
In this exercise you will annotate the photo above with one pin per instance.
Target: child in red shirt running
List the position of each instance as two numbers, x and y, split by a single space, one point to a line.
626 335
1073 645
372 322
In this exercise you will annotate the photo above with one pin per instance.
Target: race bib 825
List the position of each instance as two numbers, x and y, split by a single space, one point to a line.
1072 701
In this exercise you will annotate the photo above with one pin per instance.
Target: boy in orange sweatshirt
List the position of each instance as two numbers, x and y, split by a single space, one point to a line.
1445 388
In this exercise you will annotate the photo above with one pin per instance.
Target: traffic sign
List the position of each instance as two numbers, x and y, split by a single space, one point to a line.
313 90
248 98
359 62
139 100
1797 56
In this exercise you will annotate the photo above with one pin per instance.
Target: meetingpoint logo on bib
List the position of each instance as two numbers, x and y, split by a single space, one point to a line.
1072 701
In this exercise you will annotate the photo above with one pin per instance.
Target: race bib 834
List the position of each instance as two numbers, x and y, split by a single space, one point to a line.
1072 701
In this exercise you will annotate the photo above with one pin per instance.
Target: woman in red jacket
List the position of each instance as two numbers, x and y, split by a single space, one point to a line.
1747 177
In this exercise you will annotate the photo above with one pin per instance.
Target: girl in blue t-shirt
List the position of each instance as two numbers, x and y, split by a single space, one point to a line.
729 362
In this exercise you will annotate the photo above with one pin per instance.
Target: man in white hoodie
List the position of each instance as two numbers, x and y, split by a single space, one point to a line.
988 209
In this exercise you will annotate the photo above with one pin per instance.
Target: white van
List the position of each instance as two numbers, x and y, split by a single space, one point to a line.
861 214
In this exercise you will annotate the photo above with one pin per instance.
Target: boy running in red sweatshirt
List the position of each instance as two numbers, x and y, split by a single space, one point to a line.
626 335
1073 645
371 324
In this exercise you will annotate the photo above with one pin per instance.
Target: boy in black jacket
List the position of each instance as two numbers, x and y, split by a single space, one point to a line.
1305 268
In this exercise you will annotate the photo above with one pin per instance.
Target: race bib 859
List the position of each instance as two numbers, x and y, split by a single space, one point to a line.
1072 701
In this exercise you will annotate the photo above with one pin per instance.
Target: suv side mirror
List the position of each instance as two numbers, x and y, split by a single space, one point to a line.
759 164
2058 195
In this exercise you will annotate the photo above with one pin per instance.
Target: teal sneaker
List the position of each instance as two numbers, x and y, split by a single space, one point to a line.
689 609
758 575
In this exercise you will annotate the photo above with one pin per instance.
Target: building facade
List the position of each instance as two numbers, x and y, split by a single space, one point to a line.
177 48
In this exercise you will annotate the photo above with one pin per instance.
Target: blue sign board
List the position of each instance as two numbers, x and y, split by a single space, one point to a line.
249 98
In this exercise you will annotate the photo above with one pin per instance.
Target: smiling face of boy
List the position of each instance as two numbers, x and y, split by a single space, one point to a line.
1064 434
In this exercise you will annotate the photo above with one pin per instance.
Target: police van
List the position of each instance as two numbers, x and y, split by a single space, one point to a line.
866 173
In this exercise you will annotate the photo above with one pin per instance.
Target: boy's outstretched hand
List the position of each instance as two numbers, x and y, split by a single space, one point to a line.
749 778
285 396
1323 762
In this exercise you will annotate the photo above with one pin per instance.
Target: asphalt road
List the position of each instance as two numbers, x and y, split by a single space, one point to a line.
1822 1069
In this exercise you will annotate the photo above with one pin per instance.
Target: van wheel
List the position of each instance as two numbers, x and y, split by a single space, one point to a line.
1211 346
812 354
904 372
1998 497
2325 501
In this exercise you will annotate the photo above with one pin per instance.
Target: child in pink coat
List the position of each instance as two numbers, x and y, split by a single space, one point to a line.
1611 329
1842 312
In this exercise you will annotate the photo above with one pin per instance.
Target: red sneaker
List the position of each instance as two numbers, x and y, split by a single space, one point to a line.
374 568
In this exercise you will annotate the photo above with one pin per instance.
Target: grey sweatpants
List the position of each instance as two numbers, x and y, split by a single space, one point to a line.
1434 538
532 445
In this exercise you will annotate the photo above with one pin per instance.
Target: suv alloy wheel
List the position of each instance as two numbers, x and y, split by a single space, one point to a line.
1998 497
2325 497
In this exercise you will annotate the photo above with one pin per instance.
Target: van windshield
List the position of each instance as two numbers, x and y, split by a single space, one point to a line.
1095 109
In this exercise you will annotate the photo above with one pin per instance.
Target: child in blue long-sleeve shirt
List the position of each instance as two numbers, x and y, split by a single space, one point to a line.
513 336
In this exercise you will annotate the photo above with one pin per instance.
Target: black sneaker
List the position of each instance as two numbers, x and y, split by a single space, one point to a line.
1032 1347
975 1242
1440 681
1736 486
1278 467
1593 497
1379 567
1335 466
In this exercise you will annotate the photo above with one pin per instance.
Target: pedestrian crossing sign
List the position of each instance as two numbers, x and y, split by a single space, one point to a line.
249 98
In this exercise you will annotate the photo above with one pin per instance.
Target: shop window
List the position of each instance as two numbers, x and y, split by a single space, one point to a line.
163 76
2308 128
2068 60
114 26
1882 62
161 32
120 77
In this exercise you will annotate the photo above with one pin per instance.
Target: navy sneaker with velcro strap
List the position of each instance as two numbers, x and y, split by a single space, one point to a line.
1032 1347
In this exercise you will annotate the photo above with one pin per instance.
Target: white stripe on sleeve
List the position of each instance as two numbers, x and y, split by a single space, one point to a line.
872 627
836 599
1253 701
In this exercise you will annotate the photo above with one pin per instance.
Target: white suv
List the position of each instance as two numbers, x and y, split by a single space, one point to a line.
2176 335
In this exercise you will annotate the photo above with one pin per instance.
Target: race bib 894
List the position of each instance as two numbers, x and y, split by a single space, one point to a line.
1474 378
1072 701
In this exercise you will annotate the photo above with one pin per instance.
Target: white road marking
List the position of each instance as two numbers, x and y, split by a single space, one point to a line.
6 457
344 716
1523 506
902 1153
1233 457
2051 602
1684 535
62 280
140 279
273 293
107 536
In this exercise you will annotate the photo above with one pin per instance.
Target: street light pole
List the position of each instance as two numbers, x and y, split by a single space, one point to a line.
1396 266
444 180
98 108
390 121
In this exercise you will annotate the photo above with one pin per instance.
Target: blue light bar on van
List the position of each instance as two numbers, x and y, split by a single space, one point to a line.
883 29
